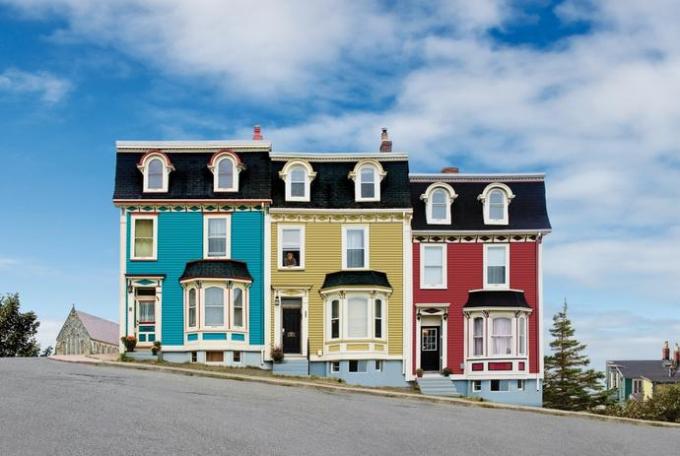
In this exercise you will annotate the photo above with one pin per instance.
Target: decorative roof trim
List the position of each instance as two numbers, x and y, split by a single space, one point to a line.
192 146
283 210
137 201
368 288
508 232
445 177
338 156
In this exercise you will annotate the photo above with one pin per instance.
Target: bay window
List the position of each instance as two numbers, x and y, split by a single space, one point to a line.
433 266
501 336
496 267
355 242
143 238
355 315
219 305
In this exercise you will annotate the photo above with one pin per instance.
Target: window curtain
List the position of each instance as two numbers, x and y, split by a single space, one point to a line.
143 238
214 306
217 237
502 336
147 311
355 248
357 312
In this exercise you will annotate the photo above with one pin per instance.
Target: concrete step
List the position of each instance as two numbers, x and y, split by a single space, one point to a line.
294 367
438 386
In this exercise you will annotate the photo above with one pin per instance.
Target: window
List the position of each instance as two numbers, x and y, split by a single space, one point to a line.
214 306
478 336
155 167
225 174
496 197
357 366
237 306
194 357
192 308
496 271
335 366
216 236
146 304
520 385
476 386
499 385
144 236
433 266
439 205
367 175
378 365
522 336
226 167
298 182
357 316
335 319
378 318
291 247
438 199
637 386
236 356
155 174
501 336
298 176
355 248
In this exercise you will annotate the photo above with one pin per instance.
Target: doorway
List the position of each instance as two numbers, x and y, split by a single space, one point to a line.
430 349
291 325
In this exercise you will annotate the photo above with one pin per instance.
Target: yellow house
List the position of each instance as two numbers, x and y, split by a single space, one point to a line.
340 266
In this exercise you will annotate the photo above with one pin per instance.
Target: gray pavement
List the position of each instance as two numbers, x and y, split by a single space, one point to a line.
53 408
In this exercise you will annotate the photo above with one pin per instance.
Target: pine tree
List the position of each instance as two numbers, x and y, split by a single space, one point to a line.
569 384
17 329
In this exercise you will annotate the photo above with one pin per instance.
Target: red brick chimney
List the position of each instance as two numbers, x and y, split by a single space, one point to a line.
385 143
450 170
666 352
257 133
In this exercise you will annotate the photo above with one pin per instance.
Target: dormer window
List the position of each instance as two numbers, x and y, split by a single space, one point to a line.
226 167
438 198
155 166
298 176
496 198
367 175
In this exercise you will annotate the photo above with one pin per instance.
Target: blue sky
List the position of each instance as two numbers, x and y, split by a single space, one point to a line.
585 91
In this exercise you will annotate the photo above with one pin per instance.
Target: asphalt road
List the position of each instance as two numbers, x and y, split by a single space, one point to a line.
53 408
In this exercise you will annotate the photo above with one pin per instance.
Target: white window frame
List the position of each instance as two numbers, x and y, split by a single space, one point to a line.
522 335
427 197
483 336
285 174
475 389
333 368
133 227
279 247
225 304
196 308
343 325
244 306
367 256
206 223
369 320
143 166
444 282
378 173
497 286
375 317
484 197
492 336
236 169
329 324
637 385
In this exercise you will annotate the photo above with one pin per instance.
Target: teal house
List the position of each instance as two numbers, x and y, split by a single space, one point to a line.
193 224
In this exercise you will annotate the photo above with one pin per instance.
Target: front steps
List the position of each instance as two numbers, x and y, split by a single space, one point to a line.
437 385
298 367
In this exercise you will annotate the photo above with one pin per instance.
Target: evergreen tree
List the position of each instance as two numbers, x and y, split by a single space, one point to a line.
17 330
569 384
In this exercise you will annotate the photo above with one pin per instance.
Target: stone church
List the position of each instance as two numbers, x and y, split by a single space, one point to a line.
85 334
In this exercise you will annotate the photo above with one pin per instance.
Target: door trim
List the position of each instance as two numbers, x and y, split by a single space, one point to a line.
434 319
291 292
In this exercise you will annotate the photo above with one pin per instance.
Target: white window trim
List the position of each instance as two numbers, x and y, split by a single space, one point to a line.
369 320
439 286
472 337
167 169
488 317
427 198
204 288
133 226
245 299
474 388
206 218
355 175
513 336
343 299
237 167
522 349
497 286
367 256
484 198
329 313
310 174
332 367
279 247
187 291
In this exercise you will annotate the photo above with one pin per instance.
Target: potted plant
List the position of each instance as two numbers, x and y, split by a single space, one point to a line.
419 372
130 343
277 354
446 372
156 347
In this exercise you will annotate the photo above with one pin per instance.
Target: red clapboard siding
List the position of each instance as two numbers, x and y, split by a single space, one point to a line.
523 270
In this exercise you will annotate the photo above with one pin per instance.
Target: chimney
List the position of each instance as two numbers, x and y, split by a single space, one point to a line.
450 170
666 352
385 143
257 133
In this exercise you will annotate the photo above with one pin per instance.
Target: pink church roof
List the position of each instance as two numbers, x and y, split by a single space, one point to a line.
99 329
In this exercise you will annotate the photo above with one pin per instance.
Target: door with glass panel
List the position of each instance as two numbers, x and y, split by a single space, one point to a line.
145 303
430 349
291 325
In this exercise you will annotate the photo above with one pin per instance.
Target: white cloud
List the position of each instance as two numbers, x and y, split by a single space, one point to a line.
48 332
50 88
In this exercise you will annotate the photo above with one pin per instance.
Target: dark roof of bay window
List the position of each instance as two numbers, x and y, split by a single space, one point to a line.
216 269
496 298
527 210
333 189
653 370
191 178
356 278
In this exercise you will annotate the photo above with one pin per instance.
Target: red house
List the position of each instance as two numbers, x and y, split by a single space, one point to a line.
477 284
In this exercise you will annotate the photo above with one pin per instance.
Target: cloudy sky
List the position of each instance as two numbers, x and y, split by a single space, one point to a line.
586 91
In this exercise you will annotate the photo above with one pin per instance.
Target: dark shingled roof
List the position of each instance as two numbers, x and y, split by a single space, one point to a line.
654 370
527 211
356 278
496 298
216 269
192 179
331 188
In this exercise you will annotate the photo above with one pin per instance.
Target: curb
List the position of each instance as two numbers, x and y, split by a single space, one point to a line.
375 392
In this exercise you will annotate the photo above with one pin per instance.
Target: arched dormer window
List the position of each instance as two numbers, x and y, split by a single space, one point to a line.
156 168
226 167
496 198
367 175
438 199
298 176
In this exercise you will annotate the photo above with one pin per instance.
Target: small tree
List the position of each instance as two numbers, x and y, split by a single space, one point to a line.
47 352
569 385
17 330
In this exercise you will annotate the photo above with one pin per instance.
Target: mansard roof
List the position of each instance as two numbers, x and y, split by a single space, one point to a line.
356 278
191 178
527 211
332 188
216 269
496 298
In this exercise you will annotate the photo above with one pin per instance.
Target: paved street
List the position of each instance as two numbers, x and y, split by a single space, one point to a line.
53 408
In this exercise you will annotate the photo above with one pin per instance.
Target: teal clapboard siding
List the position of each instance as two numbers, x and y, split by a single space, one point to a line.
247 244
180 240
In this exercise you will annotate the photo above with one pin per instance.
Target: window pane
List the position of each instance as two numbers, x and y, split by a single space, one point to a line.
147 311
478 335
290 238
378 318
238 307
502 336
496 212
192 307
155 174
143 238
367 180
367 190
297 189
438 211
335 319
495 259
496 197
433 258
522 336
217 237
355 248
225 173
439 197
298 181
214 306
356 312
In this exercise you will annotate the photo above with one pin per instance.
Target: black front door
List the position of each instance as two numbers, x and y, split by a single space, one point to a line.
291 330
429 348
